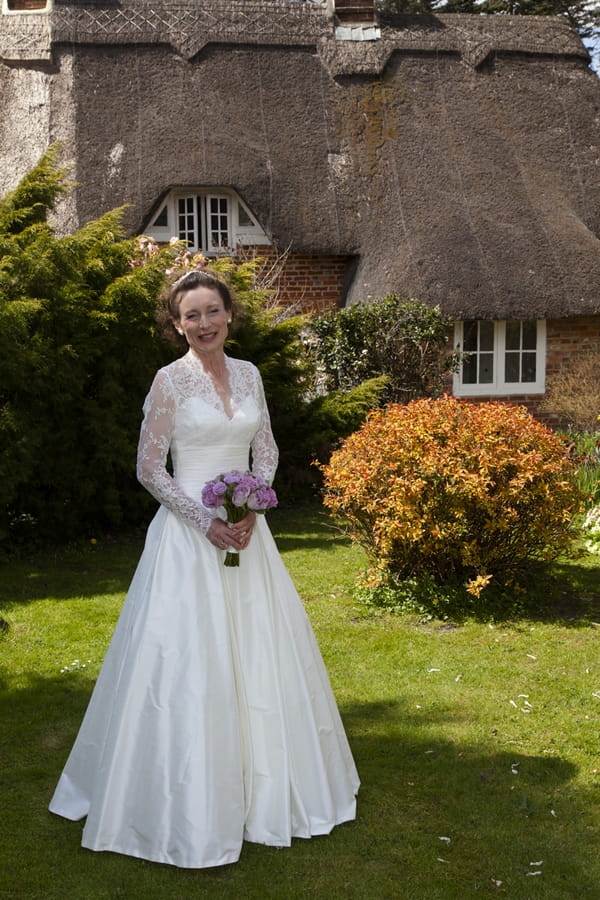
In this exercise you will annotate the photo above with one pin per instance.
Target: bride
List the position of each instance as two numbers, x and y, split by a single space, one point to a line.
212 721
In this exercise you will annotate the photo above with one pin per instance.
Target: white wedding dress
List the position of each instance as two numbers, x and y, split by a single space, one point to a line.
212 720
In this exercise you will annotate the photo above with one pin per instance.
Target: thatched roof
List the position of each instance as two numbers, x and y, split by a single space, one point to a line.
458 157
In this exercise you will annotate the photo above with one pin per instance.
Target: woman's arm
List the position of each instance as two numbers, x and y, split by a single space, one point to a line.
153 448
265 454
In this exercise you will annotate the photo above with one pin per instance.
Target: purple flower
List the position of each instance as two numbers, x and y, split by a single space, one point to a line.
232 477
213 494
241 493
262 498
238 492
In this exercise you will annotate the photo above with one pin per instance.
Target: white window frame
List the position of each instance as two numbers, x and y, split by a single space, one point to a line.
199 200
498 387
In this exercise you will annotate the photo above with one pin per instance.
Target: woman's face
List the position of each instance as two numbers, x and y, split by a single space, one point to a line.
203 320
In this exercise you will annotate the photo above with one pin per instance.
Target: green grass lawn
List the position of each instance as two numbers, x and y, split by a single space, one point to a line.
478 745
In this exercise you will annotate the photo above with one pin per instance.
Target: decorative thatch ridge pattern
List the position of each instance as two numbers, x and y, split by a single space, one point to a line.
189 26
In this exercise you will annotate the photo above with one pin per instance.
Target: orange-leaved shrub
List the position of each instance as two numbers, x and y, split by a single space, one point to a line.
463 493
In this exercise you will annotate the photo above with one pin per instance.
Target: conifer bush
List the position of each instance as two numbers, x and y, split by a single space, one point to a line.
78 347
454 493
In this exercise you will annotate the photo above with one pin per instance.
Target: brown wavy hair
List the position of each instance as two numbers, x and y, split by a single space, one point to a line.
171 297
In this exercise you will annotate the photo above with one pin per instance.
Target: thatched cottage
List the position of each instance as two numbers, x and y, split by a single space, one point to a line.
455 159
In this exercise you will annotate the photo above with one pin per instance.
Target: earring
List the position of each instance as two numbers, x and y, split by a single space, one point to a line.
229 321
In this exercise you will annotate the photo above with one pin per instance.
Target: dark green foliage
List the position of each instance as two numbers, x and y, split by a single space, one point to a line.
402 339
313 429
77 352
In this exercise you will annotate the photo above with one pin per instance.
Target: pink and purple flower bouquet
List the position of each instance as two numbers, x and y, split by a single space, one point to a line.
238 493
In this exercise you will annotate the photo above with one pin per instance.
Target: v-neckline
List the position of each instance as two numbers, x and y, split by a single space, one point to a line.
221 405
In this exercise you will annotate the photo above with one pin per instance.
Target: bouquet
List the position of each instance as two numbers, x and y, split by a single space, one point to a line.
238 493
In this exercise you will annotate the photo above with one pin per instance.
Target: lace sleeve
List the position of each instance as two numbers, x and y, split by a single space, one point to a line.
265 454
155 439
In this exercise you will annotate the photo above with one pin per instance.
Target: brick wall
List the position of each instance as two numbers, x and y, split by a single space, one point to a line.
308 282
568 338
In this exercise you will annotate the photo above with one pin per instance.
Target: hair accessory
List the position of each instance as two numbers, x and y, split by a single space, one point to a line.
182 278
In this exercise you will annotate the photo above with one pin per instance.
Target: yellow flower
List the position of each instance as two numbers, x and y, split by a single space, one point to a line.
476 585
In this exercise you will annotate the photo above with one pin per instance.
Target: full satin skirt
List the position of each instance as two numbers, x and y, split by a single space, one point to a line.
212 721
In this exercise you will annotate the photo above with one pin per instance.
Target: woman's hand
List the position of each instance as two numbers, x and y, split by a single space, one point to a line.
231 537
242 531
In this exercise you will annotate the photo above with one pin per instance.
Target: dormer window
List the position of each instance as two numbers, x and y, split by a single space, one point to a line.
211 220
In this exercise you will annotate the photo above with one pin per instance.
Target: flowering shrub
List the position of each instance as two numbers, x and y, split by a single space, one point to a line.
591 530
462 493
585 452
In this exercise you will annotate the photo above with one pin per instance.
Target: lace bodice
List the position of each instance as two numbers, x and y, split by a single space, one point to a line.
184 414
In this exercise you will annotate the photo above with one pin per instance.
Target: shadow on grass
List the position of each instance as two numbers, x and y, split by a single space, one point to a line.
501 808
106 567
575 595
309 528
566 594
84 570
494 804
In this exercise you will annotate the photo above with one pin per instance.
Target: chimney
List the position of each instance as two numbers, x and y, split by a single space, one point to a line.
355 12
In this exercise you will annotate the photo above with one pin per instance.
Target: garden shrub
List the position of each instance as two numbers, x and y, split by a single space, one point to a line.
591 530
573 393
454 493
585 452
405 340
78 347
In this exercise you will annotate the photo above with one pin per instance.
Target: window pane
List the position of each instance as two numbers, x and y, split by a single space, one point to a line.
186 220
529 367
470 336
162 219
511 368
520 357
219 221
469 369
244 220
530 335
513 335
486 368
486 335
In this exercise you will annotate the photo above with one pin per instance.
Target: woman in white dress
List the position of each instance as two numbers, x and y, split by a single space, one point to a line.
212 721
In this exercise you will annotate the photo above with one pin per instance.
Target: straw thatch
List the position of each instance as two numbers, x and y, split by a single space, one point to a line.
457 157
